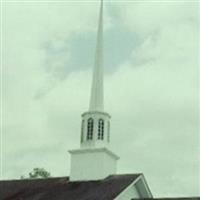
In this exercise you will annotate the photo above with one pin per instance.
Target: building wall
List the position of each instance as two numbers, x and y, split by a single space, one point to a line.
142 188
129 193
137 189
94 164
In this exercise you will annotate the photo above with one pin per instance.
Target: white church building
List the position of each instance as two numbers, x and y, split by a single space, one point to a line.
93 170
94 160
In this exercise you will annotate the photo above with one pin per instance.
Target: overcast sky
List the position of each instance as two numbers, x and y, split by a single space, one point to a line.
151 87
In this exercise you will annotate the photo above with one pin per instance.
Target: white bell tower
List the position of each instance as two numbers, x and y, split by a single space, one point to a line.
94 160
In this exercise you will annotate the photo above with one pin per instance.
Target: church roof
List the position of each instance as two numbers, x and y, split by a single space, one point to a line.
63 189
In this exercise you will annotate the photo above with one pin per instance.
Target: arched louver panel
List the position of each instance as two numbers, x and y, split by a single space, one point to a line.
108 131
101 129
82 130
90 127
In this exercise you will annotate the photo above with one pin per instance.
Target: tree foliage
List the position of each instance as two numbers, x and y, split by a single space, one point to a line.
38 173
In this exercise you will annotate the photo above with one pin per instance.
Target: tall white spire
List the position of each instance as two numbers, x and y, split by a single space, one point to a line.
94 160
97 96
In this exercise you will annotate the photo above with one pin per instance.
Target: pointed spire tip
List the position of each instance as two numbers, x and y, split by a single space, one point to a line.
97 99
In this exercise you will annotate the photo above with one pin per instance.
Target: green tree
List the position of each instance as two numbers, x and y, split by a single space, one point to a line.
38 173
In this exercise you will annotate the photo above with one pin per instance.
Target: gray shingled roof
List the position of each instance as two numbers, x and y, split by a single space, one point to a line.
63 189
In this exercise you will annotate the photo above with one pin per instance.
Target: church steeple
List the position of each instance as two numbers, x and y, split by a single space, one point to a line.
94 160
95 131
97 96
